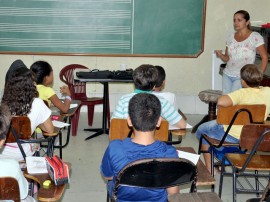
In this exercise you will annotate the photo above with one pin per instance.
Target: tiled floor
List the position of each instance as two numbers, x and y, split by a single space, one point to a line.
86 183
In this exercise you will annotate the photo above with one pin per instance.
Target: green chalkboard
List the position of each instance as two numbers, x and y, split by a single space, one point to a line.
169 28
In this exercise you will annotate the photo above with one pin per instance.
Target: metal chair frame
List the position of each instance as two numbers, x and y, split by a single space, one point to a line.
156 173
235 120
254 138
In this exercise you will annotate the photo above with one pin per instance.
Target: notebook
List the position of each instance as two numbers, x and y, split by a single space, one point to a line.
36 164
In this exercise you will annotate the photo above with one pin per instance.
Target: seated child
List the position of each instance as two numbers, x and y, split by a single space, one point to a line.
44 77
10 167
160 85
144 116
251 93
145 77
21 96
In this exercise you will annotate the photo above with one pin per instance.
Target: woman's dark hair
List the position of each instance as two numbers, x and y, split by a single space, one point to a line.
41 70
252 75
20 92
245 15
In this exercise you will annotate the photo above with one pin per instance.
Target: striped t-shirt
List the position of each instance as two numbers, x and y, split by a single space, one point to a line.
168 112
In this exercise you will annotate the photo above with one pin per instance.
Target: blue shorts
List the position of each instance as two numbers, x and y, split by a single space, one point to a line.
215 131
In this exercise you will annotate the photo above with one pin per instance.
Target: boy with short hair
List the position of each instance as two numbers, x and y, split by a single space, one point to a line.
251 93
160 85
145 78
144 116
10 167
161 79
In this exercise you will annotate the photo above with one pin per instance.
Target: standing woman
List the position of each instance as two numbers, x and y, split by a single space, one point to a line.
241 48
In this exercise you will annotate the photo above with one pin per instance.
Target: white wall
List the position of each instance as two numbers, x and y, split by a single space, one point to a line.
185 76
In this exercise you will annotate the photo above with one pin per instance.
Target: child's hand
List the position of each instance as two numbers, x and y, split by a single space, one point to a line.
65 90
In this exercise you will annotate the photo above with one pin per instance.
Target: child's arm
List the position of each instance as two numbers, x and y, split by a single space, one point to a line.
64 107
182 124
173 190
225 101
47 126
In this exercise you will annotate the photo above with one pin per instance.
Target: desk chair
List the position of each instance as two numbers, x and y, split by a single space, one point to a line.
53 193
119 129
20 132
156 173
252 166
65 117
78 92
9 189
235 115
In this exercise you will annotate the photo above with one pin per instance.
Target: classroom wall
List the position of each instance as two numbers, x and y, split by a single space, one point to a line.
185 76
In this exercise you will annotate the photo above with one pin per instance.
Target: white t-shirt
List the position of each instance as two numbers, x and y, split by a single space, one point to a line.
170 97
11 168
39 114
241 53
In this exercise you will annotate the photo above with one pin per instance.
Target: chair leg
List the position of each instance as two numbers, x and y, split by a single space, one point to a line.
221 178
108 197
257 183
212 167
90 109
32 185
108 114
75 122
234 184
50 148
212 162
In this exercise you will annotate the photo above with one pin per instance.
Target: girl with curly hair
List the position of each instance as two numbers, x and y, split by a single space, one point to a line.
21 96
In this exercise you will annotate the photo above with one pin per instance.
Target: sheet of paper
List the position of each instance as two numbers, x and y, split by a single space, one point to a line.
59 124
73 106
36 164
189 156
175 128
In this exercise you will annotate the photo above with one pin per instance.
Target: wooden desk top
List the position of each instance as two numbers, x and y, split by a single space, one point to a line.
179 132
204 177
53 193
201 196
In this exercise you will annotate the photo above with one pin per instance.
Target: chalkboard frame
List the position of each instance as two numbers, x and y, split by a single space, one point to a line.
122 54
